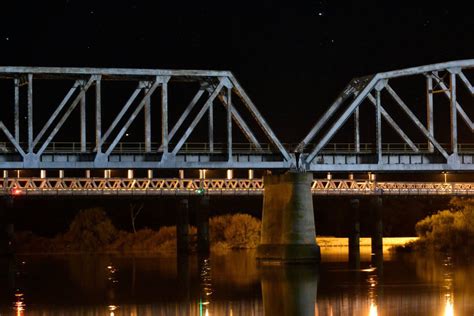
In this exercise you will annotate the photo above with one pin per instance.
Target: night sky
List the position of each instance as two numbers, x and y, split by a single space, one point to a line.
293 58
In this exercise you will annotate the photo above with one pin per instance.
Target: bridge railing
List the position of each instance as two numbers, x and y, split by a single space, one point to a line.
238 148
140 148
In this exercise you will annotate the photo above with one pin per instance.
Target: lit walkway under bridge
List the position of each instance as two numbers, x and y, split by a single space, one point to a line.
25 187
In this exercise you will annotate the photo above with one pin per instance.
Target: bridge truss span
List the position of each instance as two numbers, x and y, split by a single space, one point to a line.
98 109
140 187
383 94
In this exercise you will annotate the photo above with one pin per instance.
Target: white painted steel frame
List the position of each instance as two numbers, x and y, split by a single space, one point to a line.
217 85
313 158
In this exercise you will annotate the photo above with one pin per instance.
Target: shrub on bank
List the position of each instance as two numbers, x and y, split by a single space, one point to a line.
448 230
243 232
92 231
238 231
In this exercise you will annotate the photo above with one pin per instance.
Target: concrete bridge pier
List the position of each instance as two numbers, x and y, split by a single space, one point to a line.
288 230
182 227
354 235
202 221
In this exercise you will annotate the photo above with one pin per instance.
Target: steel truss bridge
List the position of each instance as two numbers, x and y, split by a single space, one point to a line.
99 141
30 187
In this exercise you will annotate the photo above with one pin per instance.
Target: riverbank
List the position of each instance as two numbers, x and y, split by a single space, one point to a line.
337 248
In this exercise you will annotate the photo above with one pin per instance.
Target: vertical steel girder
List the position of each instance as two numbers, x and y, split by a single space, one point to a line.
98 115
83 123
147 117
229 124
378 126
30 113
164 115
17 109
453 113
429 108
357 130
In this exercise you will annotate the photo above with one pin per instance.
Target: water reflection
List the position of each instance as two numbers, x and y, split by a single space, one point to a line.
372 280
448 286
233 284
205 285
19 304
289 289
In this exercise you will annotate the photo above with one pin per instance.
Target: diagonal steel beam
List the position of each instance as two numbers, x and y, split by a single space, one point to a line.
133 116
56 112
394 125
186 112
241 123
258 117
198 117
342 119
66 115
347 92
466 82
121 114
417 122
12 139
459 108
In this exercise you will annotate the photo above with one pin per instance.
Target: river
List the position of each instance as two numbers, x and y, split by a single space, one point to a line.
233 284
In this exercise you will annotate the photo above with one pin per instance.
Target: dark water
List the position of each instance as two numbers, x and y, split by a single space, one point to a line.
232 284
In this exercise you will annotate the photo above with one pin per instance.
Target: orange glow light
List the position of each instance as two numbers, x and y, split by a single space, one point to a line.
17 191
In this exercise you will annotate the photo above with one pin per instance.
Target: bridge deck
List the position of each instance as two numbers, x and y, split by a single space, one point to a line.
24 187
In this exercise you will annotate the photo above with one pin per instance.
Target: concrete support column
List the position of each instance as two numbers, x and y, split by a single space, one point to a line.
202 222
182 227
288 230
377 228
354 235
